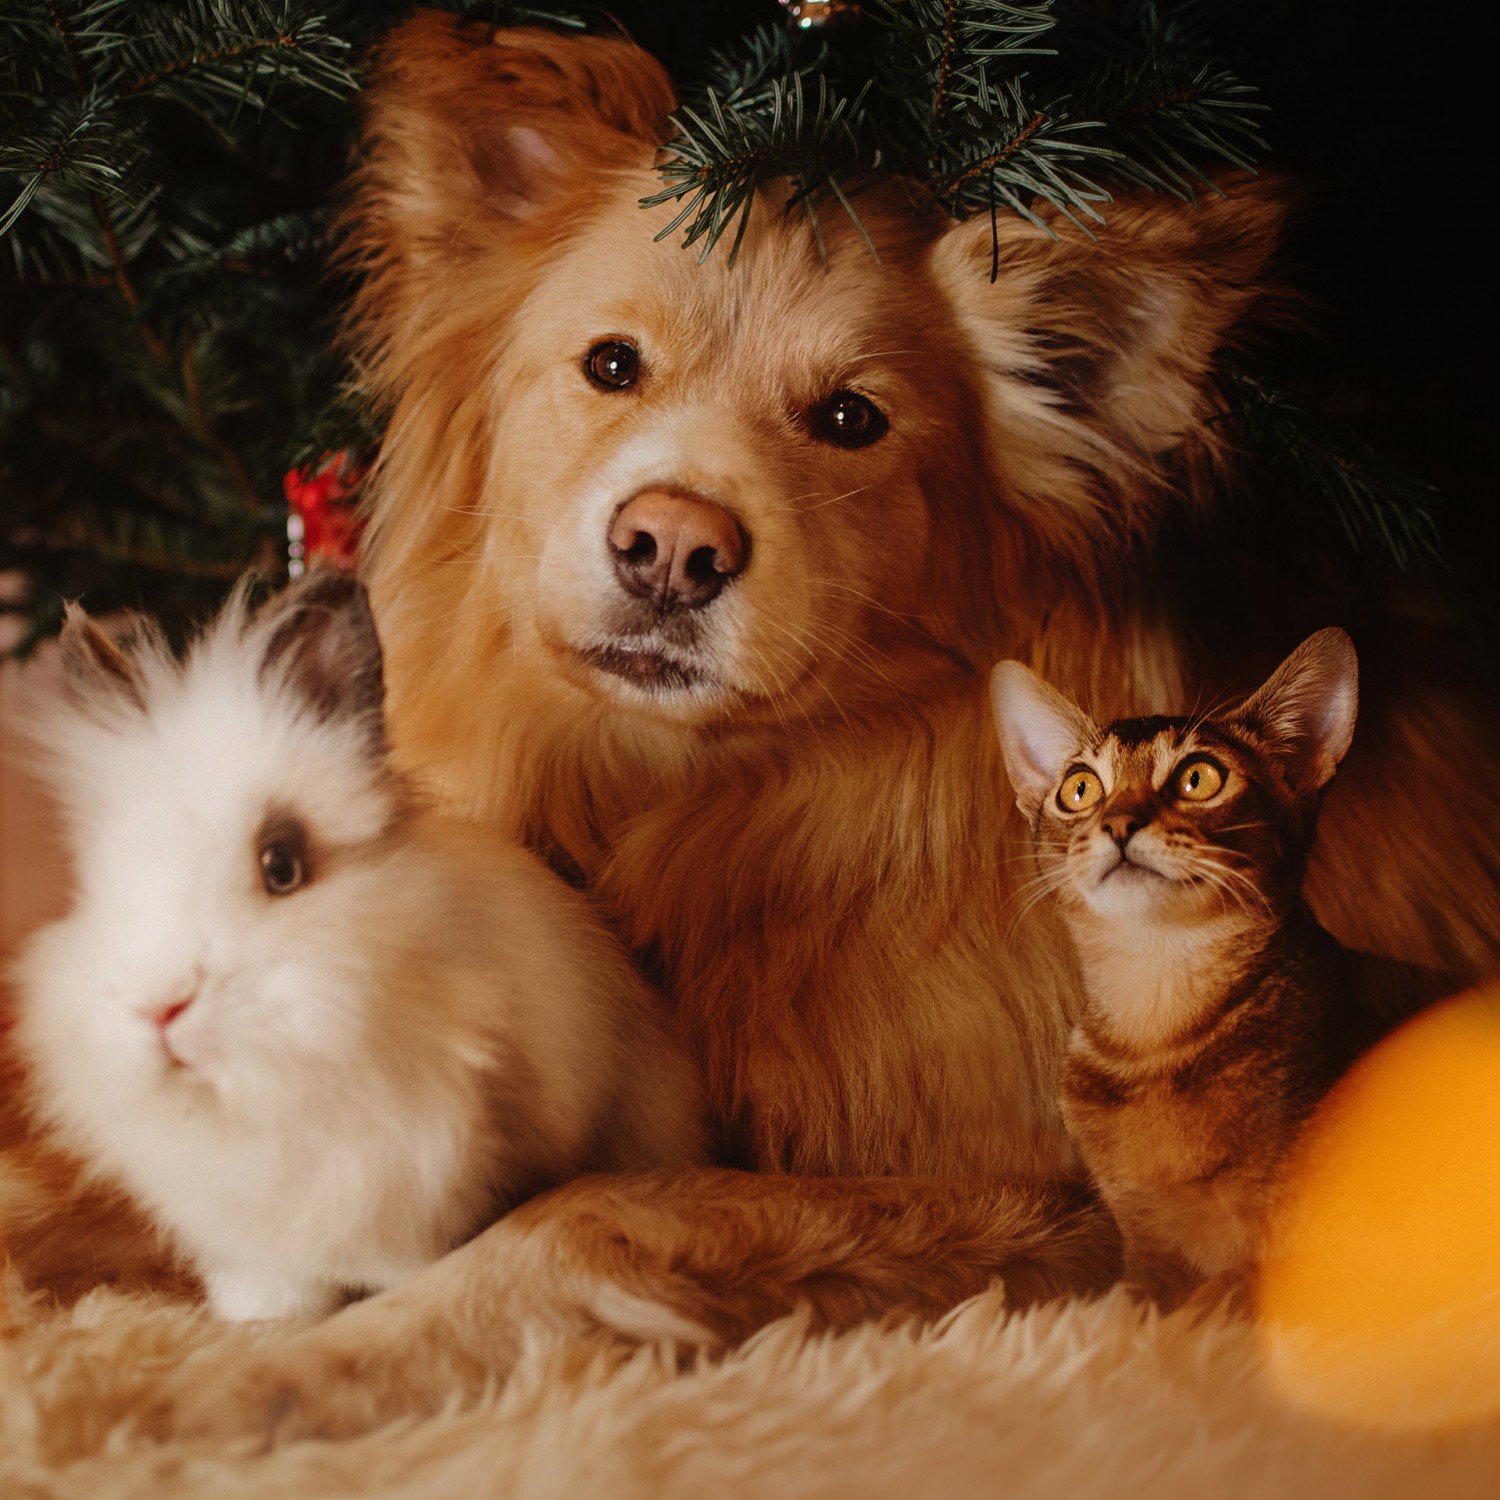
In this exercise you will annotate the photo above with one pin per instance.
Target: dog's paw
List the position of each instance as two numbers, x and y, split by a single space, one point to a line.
323 1382
268 1396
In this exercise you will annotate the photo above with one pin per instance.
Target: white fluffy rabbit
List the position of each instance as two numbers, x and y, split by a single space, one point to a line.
320 1031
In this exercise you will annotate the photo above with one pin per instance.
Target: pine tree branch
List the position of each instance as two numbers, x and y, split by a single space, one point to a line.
181 65
226 52
1004 151
204 427
122 279
121 276
944 46
745 74
65 36
1163 121
1369 498
945 63
1171 119
724 152
970 171
76 150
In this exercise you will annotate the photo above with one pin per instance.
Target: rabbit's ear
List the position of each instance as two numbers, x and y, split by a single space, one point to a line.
320 641
97 672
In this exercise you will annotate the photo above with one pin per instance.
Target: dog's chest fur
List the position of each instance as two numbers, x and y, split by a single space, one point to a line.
850 1026
838 929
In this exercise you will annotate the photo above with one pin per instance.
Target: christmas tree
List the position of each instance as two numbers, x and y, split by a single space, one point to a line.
169 174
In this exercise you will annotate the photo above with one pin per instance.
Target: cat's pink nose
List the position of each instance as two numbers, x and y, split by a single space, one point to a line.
1121 827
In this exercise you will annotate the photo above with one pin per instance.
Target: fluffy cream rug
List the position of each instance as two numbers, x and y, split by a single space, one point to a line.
1076 1399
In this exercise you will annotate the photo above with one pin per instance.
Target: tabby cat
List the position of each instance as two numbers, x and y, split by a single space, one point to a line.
1218 1012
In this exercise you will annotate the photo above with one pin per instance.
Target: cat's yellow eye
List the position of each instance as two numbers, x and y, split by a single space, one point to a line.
1197 781
1080 790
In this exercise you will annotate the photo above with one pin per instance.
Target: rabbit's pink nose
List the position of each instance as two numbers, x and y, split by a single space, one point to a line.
164 1015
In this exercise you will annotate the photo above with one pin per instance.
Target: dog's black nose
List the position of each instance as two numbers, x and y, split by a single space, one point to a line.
676 550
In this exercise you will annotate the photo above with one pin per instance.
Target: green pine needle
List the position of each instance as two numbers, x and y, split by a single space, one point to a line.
213 57
1171 119
1372 502
939 50
723 152
745 73
164 317
1002 151
73 143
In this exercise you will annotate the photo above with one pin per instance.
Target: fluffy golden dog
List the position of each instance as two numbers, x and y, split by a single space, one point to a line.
691 576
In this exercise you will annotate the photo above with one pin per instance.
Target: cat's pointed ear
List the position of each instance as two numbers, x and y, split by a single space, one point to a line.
1041 732
1306 708
95 669
320 640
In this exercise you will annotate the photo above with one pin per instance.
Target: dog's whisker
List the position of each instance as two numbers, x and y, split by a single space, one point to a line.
883 354
834 499
874 603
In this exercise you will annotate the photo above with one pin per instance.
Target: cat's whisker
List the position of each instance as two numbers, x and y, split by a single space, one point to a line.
1025 858
1234 883
1213 709
1029 894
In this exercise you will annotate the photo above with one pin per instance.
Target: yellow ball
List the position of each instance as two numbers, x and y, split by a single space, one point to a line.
1378 1300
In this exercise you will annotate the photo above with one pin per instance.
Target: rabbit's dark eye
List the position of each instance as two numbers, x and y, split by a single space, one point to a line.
281 852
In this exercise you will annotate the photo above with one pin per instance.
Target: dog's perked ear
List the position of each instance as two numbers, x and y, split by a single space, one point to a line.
471 130
1097 352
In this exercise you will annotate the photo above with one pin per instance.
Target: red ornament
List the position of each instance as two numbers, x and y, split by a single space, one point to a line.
321 522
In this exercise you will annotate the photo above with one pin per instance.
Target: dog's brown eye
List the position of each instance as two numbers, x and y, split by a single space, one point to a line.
613 365
849 420
282 857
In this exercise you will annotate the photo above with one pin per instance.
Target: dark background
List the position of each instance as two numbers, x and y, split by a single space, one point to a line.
1382 123
1376 118
1378 115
